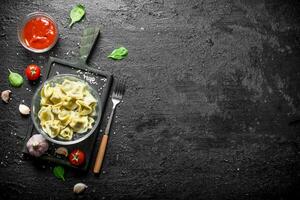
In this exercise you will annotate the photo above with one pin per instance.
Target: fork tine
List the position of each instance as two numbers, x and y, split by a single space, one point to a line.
121 87
117 88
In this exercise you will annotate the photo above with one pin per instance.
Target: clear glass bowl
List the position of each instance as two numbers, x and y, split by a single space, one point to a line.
23 23
35 107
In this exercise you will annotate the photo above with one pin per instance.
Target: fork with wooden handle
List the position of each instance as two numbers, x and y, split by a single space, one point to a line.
116 99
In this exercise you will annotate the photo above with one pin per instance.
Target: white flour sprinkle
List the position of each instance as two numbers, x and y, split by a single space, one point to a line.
90 79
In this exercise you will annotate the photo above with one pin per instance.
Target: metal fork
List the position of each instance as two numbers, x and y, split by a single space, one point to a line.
116 99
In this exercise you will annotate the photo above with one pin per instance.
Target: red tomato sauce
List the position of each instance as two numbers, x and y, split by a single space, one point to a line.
39 33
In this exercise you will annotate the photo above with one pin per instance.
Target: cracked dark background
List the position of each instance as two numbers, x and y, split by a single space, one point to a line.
211 109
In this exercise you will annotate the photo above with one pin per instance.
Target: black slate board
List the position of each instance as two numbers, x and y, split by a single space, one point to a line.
100 80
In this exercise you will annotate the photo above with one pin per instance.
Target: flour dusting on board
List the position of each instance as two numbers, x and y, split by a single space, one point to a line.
89 78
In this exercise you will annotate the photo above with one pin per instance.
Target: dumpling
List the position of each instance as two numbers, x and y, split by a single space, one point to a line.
45 101
64 117
77 90
83 109
56 109
67 86
52 128
90 123
89 99
69 103
66 134
46 91
79 123
45 115
93 106
57 95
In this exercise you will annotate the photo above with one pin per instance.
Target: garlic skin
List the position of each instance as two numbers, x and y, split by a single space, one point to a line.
24 110
79 188
62 151
5 95
37 145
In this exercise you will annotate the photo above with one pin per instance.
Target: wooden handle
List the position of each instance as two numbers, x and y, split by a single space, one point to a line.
101 153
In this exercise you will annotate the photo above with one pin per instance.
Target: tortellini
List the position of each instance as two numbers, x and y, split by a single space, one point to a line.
79 124
66 134
66 109
52 128
45 115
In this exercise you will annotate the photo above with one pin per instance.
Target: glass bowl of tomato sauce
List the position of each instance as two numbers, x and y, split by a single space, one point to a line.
38 32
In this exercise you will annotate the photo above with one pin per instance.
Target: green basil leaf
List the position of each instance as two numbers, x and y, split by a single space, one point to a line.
59 172
77 13
119 53
15 79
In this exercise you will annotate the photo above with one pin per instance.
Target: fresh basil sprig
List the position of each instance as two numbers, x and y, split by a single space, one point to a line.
15 79
77 13
119 53
59 172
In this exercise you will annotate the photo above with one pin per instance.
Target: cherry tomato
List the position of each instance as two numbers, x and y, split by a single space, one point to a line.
33 72
77 157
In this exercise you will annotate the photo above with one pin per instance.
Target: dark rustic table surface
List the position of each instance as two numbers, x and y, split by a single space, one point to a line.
211 109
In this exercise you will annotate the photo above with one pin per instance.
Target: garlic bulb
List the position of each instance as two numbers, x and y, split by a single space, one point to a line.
37 145
79 188
5 95
24 110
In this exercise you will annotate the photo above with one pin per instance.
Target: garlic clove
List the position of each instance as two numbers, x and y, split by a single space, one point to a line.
62 151
24 110
5 95
79 188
